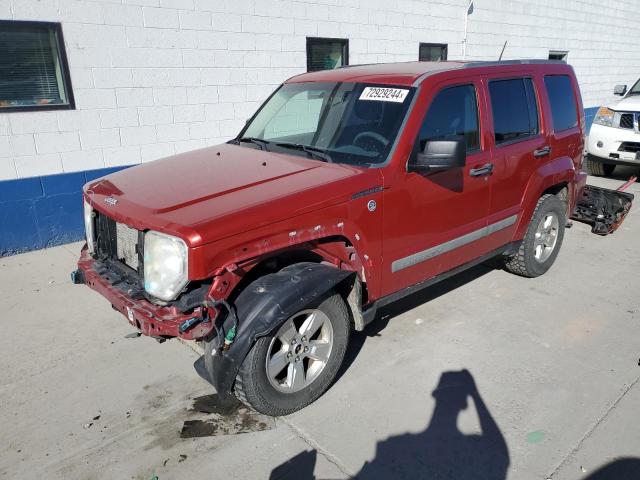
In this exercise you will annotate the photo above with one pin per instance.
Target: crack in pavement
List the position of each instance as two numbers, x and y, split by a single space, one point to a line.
330 457
589 432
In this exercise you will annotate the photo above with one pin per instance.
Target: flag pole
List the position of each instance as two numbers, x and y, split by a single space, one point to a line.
466 23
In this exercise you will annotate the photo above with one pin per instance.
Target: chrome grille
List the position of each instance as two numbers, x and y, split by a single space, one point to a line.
127 245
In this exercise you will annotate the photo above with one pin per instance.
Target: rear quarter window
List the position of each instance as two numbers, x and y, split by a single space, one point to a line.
563 102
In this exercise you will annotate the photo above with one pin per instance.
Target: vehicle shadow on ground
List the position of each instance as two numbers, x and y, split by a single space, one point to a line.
441 451
625 172
385 314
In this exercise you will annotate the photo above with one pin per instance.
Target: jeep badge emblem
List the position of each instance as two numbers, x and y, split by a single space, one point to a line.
371 205
112 201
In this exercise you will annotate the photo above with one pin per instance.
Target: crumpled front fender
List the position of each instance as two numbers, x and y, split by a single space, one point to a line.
260 308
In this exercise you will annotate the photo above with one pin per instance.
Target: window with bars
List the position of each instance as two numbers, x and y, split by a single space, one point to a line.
432 52
326 53
34 74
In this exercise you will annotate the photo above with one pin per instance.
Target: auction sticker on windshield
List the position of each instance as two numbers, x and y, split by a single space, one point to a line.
382 94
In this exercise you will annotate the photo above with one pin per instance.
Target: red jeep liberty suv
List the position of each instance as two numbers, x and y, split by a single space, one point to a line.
347 190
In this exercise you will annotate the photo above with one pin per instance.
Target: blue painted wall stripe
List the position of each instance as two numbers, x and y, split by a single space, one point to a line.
43 211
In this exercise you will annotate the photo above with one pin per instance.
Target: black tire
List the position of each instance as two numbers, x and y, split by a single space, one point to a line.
252 387
523 262
599 169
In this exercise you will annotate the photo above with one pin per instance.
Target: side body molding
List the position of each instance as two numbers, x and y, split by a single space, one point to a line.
260 308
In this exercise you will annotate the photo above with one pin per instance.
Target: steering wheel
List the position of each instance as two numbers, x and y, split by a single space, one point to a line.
371 141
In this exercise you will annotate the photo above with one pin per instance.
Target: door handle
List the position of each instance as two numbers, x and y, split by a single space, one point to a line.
486 169
542 152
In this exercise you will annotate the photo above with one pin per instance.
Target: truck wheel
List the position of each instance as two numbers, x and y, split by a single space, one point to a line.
543 239
290 369
599 169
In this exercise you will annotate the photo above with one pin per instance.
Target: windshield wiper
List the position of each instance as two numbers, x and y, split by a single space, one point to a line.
256 141
314 152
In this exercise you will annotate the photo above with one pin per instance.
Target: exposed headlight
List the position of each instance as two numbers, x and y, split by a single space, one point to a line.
604 116
88 226
165 265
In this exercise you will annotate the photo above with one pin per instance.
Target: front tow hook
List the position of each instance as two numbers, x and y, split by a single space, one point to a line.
77 277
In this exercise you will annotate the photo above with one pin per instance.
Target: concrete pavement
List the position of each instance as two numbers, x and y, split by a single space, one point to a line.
552 389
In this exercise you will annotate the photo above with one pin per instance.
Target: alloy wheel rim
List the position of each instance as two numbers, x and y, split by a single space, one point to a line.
299 351
546 237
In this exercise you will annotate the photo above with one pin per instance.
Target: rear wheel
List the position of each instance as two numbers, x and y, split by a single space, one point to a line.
598 168
543 239
290 369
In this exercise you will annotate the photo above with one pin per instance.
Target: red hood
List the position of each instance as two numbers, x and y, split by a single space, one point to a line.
216 192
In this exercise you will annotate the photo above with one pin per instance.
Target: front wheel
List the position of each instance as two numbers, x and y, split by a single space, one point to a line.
543 239
288 370
599 169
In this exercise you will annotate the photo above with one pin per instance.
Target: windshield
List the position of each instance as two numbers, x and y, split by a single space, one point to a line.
337 122
635 90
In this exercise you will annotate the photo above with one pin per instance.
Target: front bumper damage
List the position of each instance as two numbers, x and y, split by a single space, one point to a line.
153 320
602 208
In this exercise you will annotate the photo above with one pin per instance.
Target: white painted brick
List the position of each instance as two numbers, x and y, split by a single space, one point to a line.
5 147
82 160
144 3
81 11
31 122
23 145
195 20
160 17
105 137
204 130
216 76
212 40
232 93
95 98
128 15
36 10
8 169
134 97
112 77
73 120
267 41
170 96
4 123
254 24
156 151
184 4
226 22
171 133
188 113
155 115
57 142
230 128
117 157
89 57
82 35
120 117
146 57
197 95
5 12
219 111
190 145
81 77
241 41
138 135
166 77
36 165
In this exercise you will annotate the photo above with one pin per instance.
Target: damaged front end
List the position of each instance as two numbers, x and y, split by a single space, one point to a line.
602 208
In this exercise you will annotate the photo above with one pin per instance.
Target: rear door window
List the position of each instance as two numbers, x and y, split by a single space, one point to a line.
453 114
563 103
515 110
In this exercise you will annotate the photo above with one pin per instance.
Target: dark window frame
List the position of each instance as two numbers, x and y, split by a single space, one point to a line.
56 28
536 102
345 49
470 151
443 46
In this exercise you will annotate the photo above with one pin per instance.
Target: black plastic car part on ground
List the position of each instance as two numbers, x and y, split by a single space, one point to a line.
260 308
603 209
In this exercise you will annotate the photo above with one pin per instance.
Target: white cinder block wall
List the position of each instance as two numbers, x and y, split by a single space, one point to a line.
157 77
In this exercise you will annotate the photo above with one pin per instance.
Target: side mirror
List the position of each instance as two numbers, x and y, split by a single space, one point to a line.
619 89
440 155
